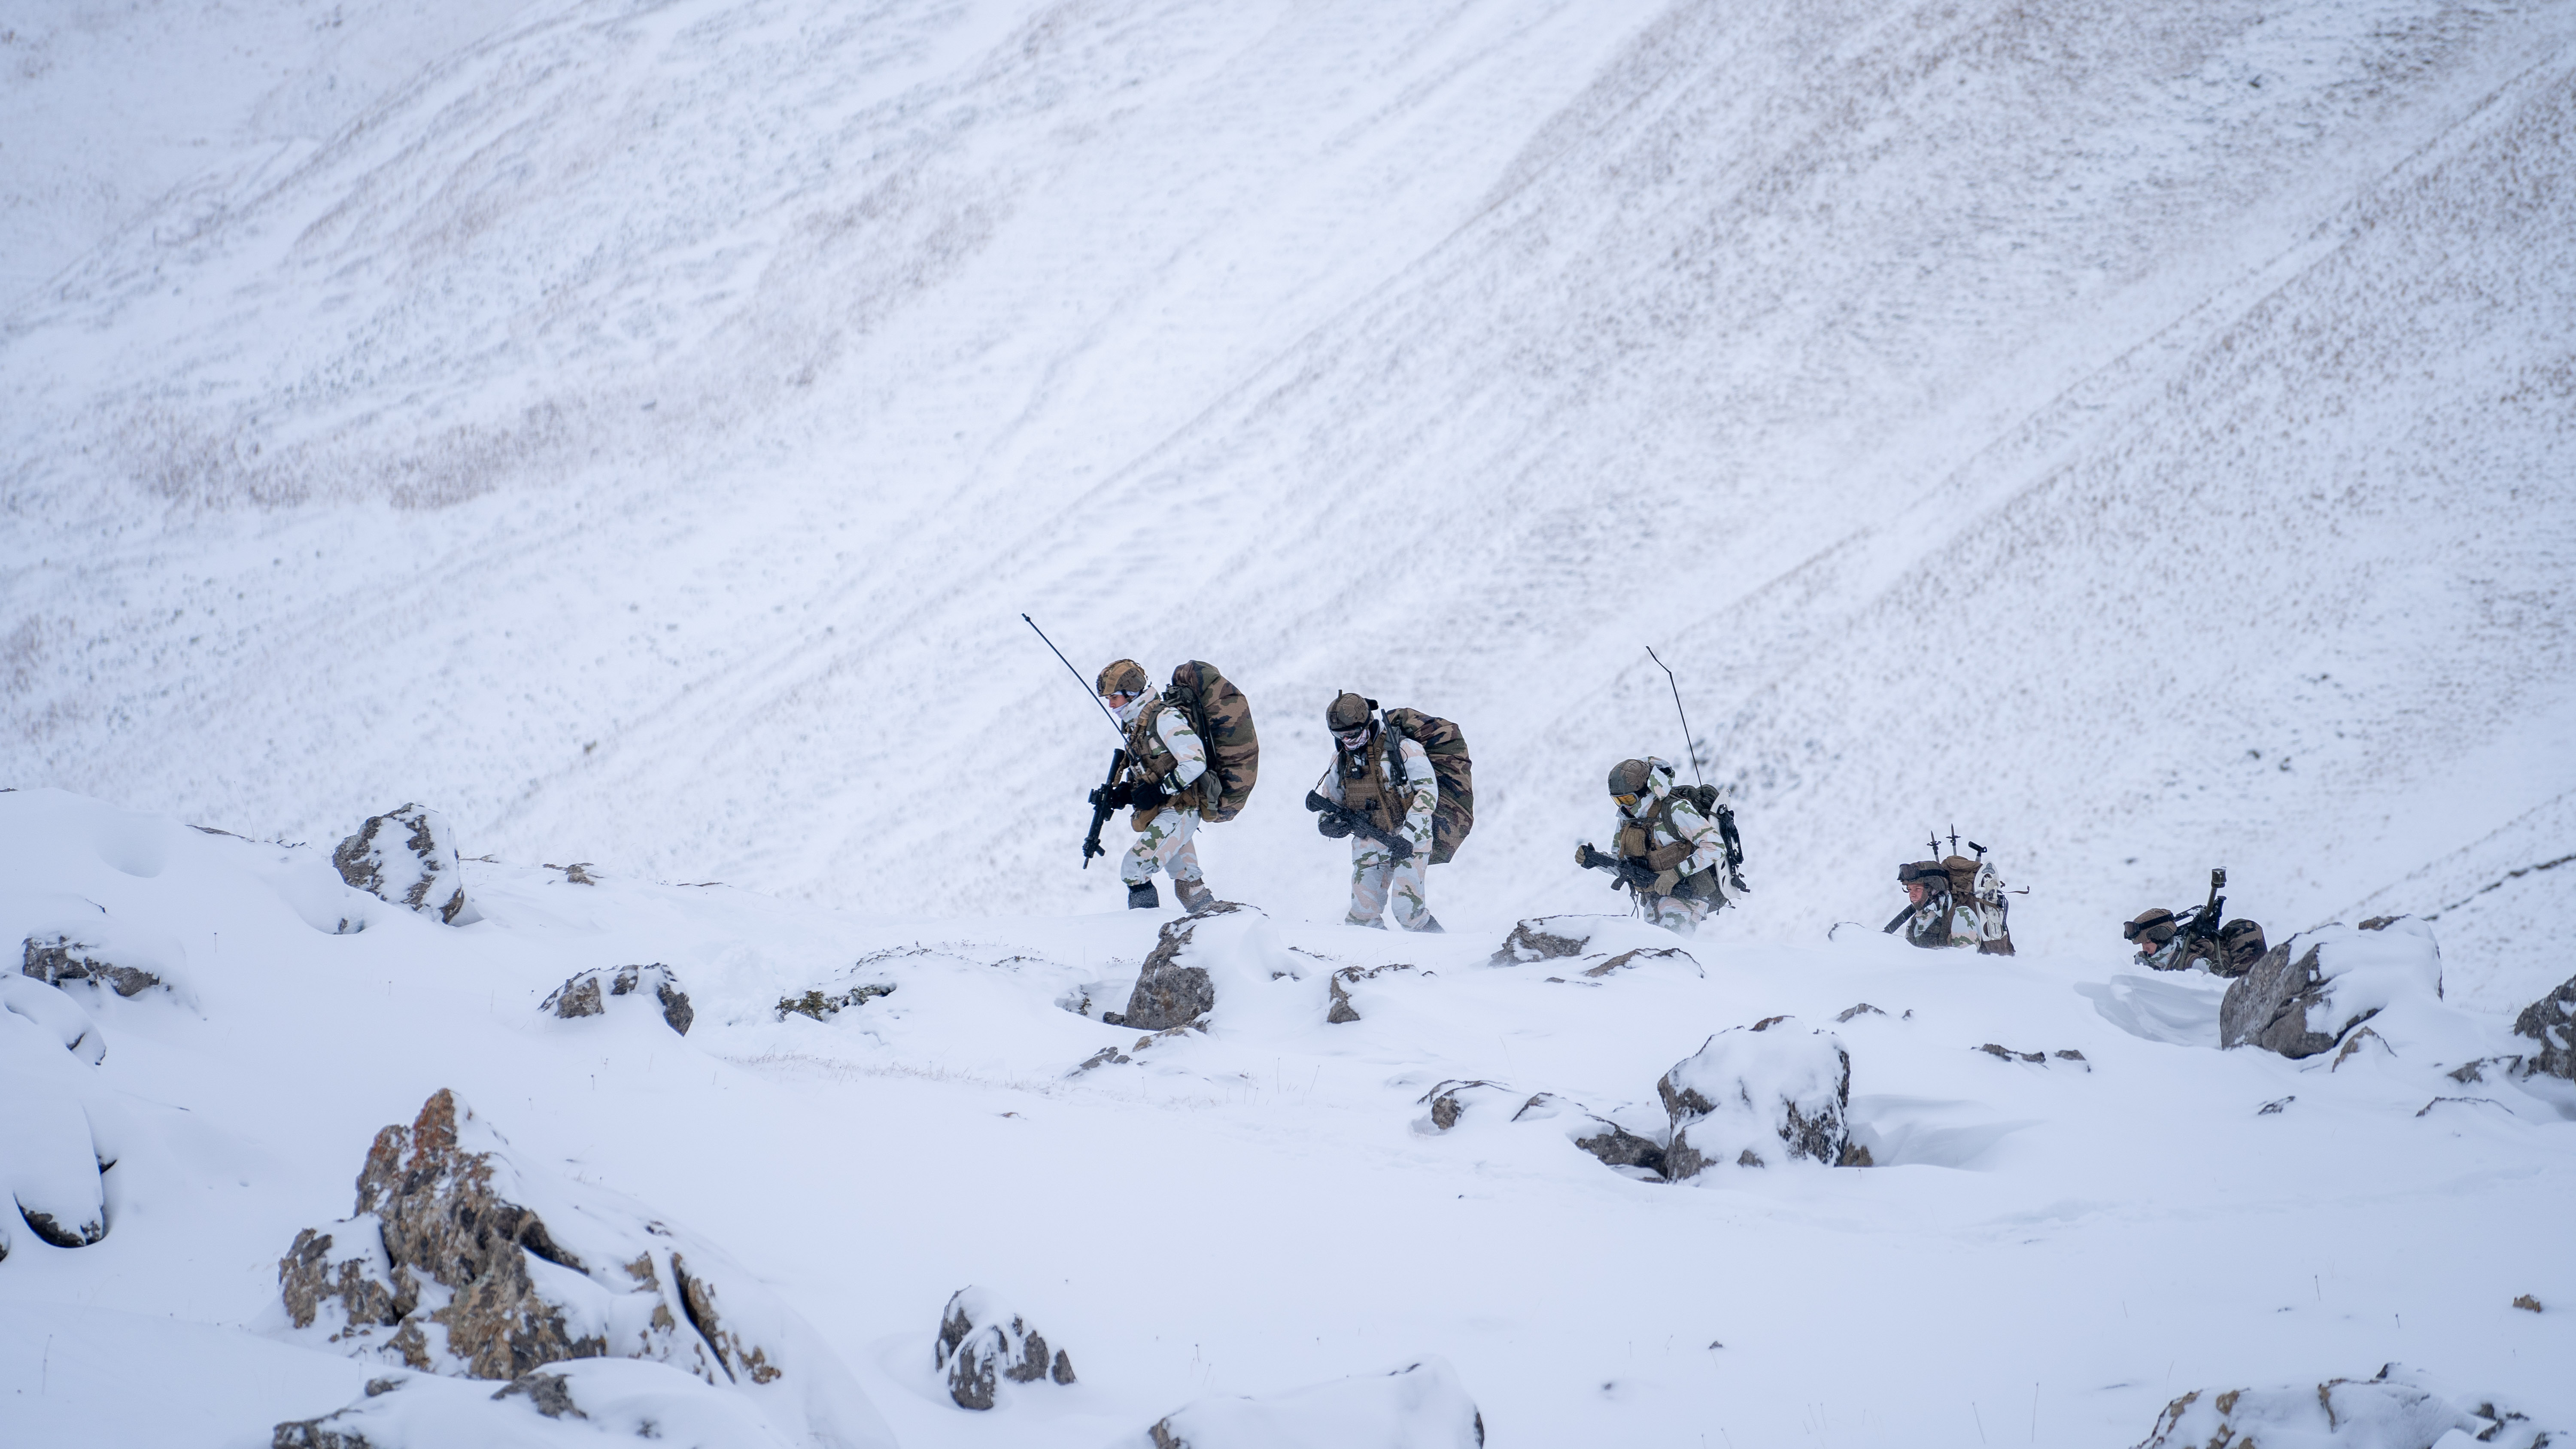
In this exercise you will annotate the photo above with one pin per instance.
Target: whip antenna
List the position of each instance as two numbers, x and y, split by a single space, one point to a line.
1077 678
1677 709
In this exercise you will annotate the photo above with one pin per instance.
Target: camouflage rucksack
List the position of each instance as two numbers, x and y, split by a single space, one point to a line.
1455 814
1222 718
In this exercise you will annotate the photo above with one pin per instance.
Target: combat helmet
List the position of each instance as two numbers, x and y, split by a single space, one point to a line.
1123 676
1629 777
1934 875
2154 925
1348 711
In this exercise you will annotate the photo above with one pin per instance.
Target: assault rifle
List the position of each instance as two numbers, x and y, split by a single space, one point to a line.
2202 924
1104 801
1352 822
1591 859
1902 917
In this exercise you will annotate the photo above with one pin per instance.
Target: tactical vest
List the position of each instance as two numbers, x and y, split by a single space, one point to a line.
1637 837
1150 757
1365 789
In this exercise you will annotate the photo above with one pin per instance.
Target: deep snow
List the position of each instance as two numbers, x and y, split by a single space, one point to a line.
2139 438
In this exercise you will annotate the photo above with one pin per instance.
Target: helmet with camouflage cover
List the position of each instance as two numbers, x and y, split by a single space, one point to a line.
1629 777
1348 711
1123 676
1932 874
2155 926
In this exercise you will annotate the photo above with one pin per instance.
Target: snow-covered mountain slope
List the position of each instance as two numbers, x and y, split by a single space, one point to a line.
2046 1250
2137 438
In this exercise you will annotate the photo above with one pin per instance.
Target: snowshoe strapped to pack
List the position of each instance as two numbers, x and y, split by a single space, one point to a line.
1455 814
1222 719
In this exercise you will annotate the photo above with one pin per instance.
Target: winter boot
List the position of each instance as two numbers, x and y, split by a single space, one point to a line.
1141 896
1431 925
1194 894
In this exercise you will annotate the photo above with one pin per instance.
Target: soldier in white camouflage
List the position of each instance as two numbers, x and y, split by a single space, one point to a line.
1940 920
1671 857
1385 779
1165 783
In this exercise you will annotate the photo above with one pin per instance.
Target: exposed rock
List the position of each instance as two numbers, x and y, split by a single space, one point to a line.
1639 956
1863 1009
2356 1043
1449 1100
822 1007
1171 990
2527 1303
2551 1021
1540 938
407 856
1349 976
2277 1106
464 1259
1105 1057
2008 1054
2308 993
982 1345
1419 1406
1341 1010
1749 1092
548 1393
1606 1140
54 960
582 994
2396 1409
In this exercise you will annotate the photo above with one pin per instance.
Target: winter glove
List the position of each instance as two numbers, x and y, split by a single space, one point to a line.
1586 857
1635 874
1146 795
1111 796
1333 825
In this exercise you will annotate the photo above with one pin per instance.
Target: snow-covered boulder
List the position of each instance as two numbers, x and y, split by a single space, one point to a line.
2551 1021
50 1163
463 1259
1593 1133
2397 1409
1419 1406
1596 946
1752 1096
55 960
577 1402
408 857
1227 946
587 993
982 1345
53 1011
2307 993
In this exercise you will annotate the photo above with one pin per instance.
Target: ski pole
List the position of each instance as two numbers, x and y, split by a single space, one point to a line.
1077 678
1677 709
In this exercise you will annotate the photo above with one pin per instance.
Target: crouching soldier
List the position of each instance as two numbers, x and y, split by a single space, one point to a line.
2166 942
1670 856
1166 761
1934 917
1381 793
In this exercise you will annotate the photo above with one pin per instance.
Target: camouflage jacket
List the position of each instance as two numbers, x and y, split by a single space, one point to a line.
1421 792
1662 820
1170 737
1945 922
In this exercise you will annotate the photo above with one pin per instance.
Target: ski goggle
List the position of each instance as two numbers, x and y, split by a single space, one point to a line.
2132 930
1628 799
1352 739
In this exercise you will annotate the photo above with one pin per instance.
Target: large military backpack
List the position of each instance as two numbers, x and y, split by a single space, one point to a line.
1455 814
1222 718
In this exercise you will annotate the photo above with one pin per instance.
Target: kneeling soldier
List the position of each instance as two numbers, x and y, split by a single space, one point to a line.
1168 760
1383 792
1937 918
1671 857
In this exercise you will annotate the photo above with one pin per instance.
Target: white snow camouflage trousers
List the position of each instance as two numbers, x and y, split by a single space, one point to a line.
1377 881
1168 842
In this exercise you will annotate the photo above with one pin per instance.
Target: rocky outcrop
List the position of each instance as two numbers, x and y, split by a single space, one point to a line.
2395 1409
1753 1096
1419 1406
580 1402
823 1006
1543 938
2551 1022
464 1259
587 993
1607 1141
1172 990
982 1345
55 960
408 857
1340 1009
2308 993
1448 1101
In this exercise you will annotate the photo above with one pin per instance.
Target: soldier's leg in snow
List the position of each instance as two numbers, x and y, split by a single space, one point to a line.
1183 863
1163 842
1368 886
1405 889
1676 914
